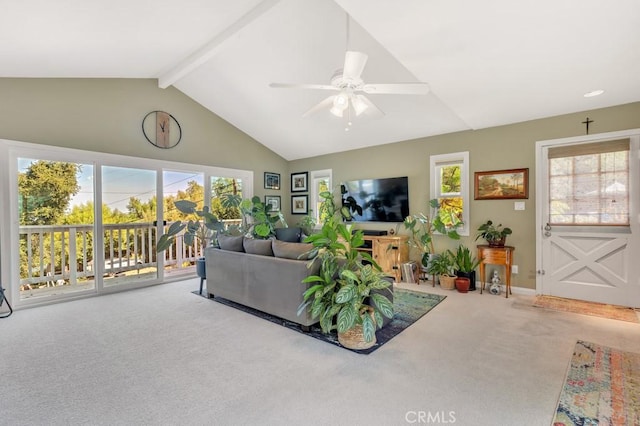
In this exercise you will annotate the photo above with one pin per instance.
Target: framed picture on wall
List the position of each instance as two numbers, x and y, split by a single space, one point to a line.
502 184
271 180
273 201
299 204
299 182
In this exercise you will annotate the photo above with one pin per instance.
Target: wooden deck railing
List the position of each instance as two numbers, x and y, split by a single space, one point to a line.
63 254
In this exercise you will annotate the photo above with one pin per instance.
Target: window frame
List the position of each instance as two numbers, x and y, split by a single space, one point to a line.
436 162
314 177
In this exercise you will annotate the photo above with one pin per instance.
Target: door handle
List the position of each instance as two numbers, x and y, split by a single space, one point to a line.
547 230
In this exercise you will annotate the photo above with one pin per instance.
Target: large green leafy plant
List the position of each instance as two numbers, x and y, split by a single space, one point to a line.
200 228
346 292
423 228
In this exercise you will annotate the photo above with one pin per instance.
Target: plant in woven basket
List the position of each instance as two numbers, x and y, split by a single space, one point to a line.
346 293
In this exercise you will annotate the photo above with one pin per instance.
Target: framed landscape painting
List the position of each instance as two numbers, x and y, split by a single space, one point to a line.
502 184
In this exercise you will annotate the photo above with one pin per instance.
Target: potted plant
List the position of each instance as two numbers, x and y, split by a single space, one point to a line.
201 228
494 235
348 294
443 267
466 264
422 229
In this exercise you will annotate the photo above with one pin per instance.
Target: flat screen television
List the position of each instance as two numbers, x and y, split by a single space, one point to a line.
382 200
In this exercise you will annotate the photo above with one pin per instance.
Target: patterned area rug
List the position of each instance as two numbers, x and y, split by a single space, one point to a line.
409 307
586 308
602 388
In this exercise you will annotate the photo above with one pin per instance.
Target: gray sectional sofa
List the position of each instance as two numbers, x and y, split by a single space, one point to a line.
263 274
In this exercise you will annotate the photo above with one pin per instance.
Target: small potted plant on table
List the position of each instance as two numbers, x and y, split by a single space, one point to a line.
494 235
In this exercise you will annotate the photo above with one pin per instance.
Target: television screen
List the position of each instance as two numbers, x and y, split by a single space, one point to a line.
382 200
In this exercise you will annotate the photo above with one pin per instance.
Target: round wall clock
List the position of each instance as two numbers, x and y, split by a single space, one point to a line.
161 129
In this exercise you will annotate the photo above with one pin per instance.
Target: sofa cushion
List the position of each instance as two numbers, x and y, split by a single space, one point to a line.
256 246
290 250
231 242
291 235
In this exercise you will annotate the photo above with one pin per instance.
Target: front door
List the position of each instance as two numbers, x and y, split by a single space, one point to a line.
588 241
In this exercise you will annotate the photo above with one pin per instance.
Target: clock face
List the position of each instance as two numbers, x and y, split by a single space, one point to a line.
161 129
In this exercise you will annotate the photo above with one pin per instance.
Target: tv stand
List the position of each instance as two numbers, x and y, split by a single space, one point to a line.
389 251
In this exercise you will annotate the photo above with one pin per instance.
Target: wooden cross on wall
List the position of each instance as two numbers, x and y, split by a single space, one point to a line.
586 122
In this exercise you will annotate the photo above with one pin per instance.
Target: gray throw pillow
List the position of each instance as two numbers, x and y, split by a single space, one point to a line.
290 250
291 235
230 242
256 246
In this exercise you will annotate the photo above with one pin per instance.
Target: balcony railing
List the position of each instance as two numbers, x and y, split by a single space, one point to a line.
63 254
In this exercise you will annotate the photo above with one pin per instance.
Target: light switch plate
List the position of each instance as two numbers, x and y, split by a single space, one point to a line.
518 205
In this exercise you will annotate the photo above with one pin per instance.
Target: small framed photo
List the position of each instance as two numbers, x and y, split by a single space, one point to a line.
273 201
502 184
271 180
299 182
299 204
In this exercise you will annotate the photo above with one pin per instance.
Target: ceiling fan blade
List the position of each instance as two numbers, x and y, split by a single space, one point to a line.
322 105
397 88
354 63
372 109
303 86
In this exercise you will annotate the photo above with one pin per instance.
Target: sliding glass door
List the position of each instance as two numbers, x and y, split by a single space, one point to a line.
85 223
129 199
56 228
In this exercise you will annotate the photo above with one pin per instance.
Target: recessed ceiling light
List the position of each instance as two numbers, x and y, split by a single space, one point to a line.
594 93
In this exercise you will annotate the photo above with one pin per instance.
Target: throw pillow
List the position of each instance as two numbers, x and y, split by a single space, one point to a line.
291 235
256 246
230 242
290 250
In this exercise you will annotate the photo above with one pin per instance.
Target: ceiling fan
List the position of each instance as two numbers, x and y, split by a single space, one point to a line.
348 83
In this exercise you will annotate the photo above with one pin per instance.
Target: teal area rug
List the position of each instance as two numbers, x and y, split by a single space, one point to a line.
409 307
602 388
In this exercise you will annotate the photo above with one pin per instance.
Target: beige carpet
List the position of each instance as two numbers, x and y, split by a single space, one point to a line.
602 310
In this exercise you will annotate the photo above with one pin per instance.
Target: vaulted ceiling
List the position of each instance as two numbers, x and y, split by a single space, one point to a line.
487 63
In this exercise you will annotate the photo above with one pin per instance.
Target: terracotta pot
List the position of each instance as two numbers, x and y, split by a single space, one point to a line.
462 284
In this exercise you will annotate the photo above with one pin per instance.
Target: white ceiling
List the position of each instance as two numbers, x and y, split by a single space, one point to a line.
488 63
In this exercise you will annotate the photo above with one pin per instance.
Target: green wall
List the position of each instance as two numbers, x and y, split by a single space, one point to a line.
496 148
105 115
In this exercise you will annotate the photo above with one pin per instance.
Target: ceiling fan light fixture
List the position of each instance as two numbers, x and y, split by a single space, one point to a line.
336 111
359 106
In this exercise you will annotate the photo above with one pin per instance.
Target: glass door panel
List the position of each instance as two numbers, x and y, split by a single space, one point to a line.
56 231
128 217
181 258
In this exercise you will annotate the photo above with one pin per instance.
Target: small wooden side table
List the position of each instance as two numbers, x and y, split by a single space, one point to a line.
496 256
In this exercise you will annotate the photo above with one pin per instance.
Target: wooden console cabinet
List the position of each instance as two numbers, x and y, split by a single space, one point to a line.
390 251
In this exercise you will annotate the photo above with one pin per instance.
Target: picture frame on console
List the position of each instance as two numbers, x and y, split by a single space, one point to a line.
502 184
299 182
273 201
299 204
271 180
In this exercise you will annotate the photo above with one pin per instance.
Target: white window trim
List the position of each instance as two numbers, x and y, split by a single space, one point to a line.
454 157
314 194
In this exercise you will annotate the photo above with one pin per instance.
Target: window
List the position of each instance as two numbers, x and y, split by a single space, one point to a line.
589 184
450 186
320 181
